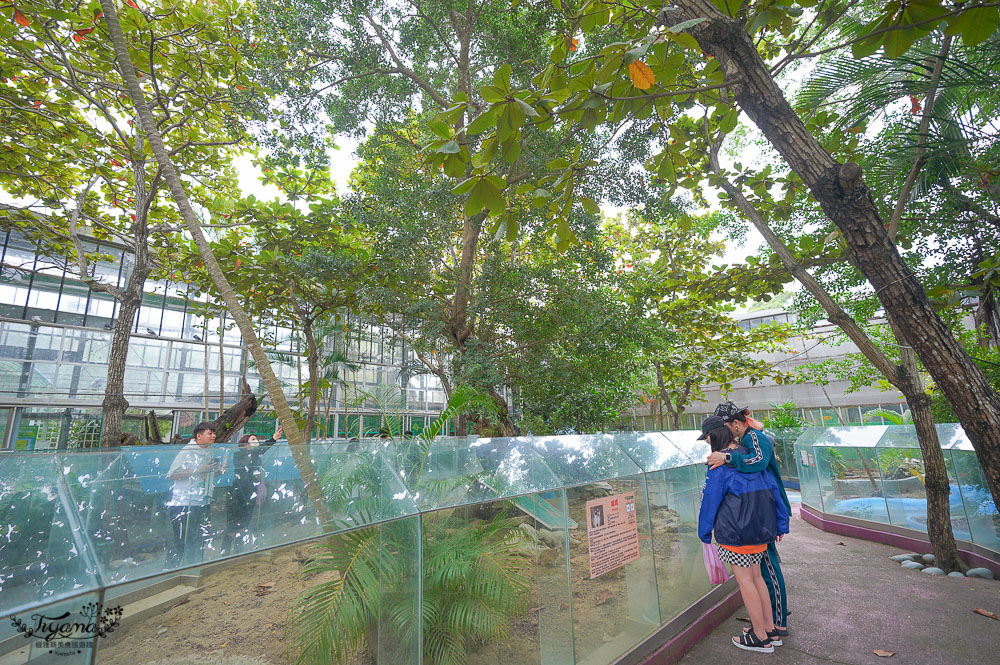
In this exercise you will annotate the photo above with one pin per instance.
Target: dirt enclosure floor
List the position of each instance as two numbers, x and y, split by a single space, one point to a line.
238 615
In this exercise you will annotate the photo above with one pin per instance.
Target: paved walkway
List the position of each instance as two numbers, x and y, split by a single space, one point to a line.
847 599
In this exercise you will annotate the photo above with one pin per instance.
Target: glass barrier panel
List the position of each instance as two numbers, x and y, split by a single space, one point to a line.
399 607
981 512
580 459
850 482
952 437
805 462
687 442
61 632
153 509
318 600
463 471
902 468
784 441
674 502
614 606
652 451
488 570
42 555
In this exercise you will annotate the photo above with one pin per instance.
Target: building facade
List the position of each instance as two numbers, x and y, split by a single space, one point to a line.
185 360
826 405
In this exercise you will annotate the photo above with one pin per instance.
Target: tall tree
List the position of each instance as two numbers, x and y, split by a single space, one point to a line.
661 64
75 159
290 260
691 339
152 134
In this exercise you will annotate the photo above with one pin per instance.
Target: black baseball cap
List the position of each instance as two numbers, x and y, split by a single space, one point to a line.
728 411
710 423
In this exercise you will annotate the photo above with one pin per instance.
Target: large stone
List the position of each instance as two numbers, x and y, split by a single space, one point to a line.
982 573
933 571
929 558
955 573
900 558
913 565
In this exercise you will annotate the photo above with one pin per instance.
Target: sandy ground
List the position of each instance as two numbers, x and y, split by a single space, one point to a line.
233 616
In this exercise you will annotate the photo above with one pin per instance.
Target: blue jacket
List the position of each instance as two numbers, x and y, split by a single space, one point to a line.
758 456
742 508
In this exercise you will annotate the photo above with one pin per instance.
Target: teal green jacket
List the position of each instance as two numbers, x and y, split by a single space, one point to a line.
759 457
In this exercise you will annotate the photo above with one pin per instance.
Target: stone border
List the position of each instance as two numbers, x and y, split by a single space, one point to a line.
896 536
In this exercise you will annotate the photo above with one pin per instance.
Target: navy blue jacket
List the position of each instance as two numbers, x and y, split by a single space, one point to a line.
742 508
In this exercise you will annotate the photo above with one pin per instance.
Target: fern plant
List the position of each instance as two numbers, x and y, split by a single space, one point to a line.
473 582
892 416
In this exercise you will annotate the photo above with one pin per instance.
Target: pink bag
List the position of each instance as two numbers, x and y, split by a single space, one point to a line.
717 573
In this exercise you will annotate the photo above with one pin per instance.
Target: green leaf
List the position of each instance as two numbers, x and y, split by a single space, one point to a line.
560 163
728 122
512 150
684 25
475 202
493 198
439 128
590 205
866 47
464 186
450 148
493 94
898 42
526 108
501 78
636 53
483 122
976 25
684 39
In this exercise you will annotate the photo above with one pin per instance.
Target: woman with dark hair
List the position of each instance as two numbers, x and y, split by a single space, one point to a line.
746 512
247 489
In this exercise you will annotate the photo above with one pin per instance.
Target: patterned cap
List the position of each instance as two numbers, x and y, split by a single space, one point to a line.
710 423
728 411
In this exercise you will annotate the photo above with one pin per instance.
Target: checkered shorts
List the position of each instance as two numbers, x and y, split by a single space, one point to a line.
738 558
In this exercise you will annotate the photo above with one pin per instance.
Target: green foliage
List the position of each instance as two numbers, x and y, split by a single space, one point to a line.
834 461
784 416
473 579
894 418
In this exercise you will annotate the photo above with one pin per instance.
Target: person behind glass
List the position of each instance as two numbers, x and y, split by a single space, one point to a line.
247 490
745 511
758 456
192 473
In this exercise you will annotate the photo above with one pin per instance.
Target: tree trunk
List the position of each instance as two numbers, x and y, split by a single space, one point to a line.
153 434
307 329
236 416
222 362
662 390
936 485
287 418
208 359
114 404
847 202
129 299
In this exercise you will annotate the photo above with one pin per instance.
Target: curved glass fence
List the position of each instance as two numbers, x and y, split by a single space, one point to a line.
875 473
548 550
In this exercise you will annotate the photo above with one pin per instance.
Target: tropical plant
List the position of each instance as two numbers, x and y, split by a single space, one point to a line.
472 580
784 416
894 417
